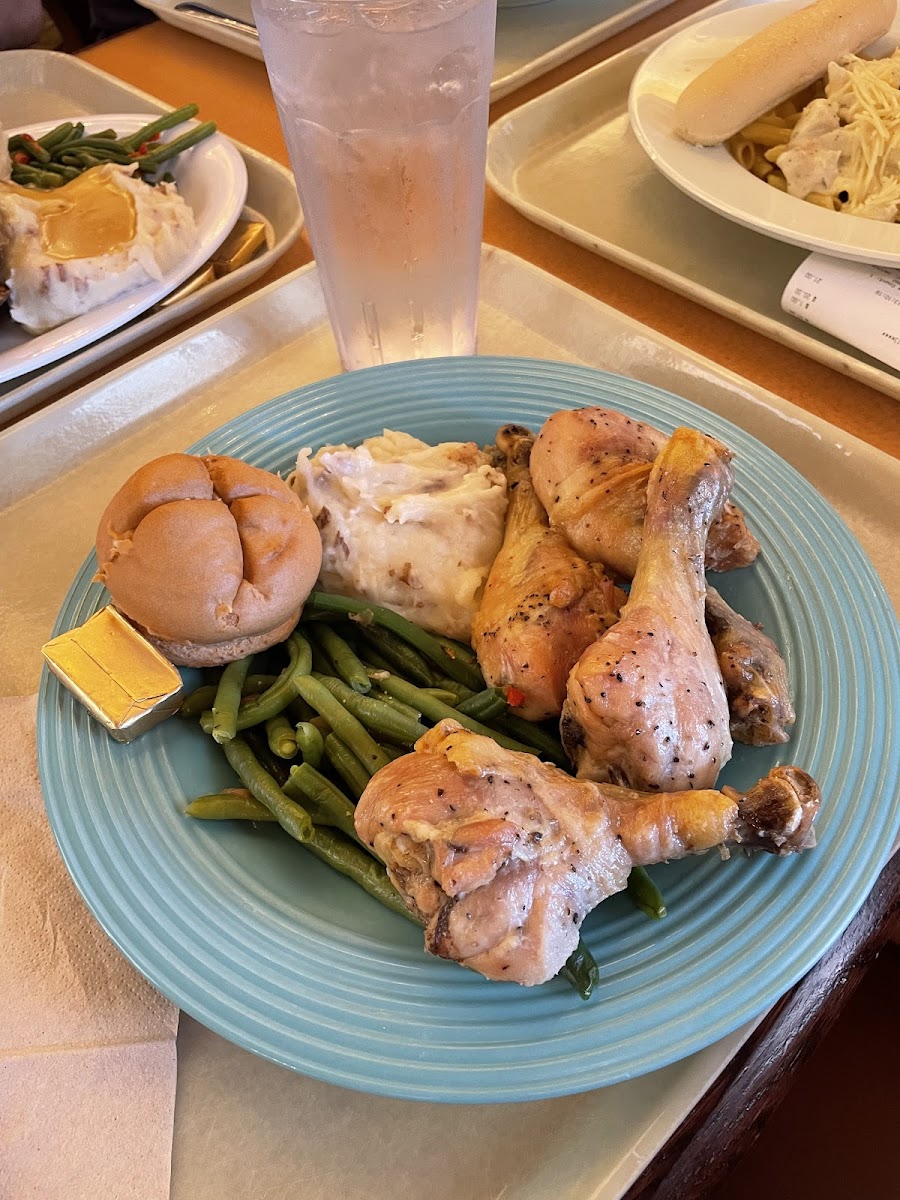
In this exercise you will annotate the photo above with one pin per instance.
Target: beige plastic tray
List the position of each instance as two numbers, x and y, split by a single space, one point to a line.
40 85
569 161
245 1127
530 39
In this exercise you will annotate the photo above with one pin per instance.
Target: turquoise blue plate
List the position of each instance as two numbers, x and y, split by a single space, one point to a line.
260 942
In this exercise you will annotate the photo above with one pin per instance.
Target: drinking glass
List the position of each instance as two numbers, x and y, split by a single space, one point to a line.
384 108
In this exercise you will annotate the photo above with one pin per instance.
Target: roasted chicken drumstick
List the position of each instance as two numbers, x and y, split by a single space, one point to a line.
502 856
590 469
542 604
645 705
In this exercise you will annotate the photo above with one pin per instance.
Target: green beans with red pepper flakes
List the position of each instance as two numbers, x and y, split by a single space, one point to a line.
66 151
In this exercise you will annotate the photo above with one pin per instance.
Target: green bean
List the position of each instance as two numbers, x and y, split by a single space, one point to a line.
167 121
228 699
56 136
394 751
445 695
198 701
64 173
484 706
346 663
324 604
321 662
458 691
326 803
30 176
406 709
256 684
544 743
347 765
374 659
346 857
294 819
276 698
645 894
16 142
202 698
454 649
163 151
278 768
346 726
35 149
298 710
376 716
76 144
581 970
399 656
281 736
228 806
436 711
310 742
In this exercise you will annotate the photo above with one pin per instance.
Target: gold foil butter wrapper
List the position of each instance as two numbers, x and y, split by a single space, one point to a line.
245 239
123 681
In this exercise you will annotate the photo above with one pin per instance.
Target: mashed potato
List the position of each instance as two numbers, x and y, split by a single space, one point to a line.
66 251
408 525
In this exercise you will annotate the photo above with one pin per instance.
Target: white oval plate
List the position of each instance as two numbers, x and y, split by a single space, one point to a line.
710 175
212 178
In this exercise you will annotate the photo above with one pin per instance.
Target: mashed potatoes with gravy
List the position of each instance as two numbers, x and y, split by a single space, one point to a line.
68 250
408 525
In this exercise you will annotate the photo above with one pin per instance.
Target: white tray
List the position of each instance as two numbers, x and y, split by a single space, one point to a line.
237 1116
40 85
569 161
529 41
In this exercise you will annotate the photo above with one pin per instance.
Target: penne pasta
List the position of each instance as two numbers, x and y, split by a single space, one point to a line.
764 134
761 168
777 181
744 152
821 200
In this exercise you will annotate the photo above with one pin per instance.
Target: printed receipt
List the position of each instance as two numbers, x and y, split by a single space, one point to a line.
857 303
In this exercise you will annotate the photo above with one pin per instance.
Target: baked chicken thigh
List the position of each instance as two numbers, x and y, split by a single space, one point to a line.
542 604
646 705
502 856
590 468
754 674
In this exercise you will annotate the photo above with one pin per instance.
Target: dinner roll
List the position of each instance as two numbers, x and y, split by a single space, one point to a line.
211 558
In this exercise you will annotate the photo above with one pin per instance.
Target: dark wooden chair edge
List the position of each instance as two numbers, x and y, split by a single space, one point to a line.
727 1121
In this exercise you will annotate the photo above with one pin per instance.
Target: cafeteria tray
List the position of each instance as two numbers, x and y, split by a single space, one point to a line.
530 39
42 85
237 1116
569 161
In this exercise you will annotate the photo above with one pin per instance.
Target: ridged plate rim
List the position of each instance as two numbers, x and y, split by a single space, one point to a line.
363 1007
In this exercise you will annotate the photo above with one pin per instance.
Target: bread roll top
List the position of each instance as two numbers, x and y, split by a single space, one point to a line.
207 549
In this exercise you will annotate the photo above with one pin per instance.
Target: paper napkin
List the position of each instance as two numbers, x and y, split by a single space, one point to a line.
857 303
87 1046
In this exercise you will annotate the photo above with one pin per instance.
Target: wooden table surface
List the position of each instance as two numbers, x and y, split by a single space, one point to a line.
233 90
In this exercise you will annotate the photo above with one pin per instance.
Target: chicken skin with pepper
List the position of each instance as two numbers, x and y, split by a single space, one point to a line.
502 856
542 604
646 705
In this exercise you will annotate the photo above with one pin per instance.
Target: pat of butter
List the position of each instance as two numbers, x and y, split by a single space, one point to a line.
123 681
239 247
